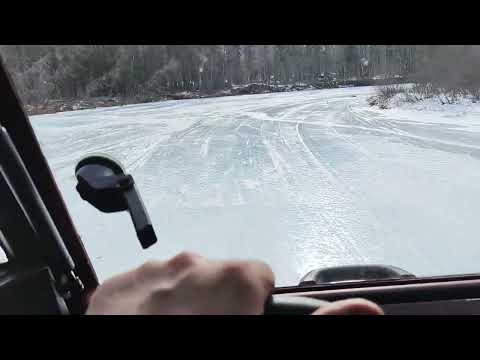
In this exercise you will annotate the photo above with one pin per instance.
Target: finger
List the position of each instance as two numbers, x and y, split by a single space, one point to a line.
256 272
154 271
242 287
184 260
265 274
350 307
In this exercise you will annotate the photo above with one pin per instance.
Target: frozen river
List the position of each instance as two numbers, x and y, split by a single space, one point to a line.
299 180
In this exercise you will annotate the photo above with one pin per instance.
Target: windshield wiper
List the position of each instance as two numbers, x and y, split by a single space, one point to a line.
353 273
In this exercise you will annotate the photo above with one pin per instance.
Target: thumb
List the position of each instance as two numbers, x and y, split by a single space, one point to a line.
350 307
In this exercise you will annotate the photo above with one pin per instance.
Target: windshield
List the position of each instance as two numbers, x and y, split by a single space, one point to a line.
305 157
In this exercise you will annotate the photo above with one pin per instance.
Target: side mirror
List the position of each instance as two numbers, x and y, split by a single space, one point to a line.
103 183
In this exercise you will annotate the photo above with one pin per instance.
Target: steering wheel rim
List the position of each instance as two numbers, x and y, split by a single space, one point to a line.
292 305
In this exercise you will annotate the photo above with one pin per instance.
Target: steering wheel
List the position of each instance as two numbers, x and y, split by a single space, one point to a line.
292 305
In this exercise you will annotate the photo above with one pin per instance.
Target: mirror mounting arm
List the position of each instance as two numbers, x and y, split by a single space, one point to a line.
103 184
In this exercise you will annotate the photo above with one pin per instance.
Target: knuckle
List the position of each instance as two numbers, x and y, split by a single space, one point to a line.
242 276
184 260
250 275
245 286
265 274
238 273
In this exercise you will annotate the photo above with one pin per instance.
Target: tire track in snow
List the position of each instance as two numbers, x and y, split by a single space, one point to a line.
294 178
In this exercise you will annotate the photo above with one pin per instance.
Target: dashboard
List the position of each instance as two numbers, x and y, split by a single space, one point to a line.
451 295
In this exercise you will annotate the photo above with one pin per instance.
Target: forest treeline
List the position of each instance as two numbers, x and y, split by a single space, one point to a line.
44 72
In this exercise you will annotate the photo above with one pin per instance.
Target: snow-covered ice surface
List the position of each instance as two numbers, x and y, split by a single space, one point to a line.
300 180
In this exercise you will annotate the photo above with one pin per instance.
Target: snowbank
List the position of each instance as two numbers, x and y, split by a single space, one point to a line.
462 105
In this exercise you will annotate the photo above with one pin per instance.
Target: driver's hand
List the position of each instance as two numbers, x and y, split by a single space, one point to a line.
186 284
190 284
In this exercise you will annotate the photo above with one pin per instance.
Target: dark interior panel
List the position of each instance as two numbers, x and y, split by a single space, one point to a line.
446 307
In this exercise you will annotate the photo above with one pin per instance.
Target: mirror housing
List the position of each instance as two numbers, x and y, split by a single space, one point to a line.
103 183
